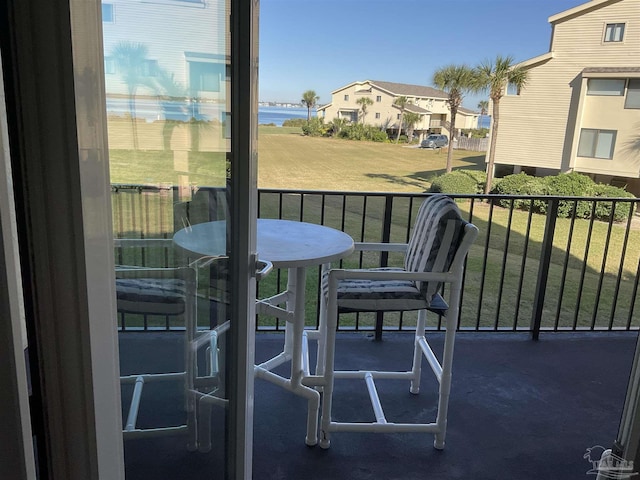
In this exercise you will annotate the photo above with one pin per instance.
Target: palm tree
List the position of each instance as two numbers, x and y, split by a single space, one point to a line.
364 102
483 106
337 125
494 78
309 98
130 59
401 103
410 120
455 80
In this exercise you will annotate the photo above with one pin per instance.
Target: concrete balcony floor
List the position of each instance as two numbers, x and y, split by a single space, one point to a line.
519 409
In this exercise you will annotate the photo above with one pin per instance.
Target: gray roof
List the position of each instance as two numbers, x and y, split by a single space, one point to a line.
415 109
404 89
466 110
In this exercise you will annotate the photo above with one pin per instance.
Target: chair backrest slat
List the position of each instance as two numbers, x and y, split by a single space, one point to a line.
435 238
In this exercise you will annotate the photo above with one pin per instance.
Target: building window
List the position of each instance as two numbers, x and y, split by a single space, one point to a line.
398 117
596 143
346 98
512 89
109 65
107 12
633 94
614 32
606 86
206 76
377 115
379 98
150 68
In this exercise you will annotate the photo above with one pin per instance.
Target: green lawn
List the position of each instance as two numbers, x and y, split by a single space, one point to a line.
289 160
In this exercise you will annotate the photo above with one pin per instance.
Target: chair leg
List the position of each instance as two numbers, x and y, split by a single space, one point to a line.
416 369
192 424
447 361
204 425
322 329
330 345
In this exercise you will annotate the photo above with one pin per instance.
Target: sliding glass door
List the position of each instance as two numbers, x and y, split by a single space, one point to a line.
130 121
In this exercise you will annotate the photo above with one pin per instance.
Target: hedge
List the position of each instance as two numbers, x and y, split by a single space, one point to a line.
459 181
564 185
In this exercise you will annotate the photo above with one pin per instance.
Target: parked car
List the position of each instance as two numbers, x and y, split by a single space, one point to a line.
435 141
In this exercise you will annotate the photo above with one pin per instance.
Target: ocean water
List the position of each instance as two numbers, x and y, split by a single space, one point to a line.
277 115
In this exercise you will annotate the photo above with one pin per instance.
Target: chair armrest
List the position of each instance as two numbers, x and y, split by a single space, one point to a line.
379 247
364 274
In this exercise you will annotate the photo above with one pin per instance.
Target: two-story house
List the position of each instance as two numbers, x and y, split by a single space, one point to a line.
429 103
580 109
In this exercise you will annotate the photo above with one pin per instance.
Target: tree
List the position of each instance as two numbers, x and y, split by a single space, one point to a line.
483 106
410 121
494 77
309 98
364 102
337 124
131 60
401 103
455 80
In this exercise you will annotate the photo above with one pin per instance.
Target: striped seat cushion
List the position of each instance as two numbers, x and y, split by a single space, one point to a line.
356 295
151 296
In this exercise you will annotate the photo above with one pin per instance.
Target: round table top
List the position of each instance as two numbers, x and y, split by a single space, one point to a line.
285 243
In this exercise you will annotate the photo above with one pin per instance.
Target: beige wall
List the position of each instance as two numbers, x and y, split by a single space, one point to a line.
538 127
608 113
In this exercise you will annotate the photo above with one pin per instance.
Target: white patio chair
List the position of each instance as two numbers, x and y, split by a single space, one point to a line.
172 292
434 256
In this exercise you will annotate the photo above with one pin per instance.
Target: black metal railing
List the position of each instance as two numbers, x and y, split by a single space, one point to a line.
527 271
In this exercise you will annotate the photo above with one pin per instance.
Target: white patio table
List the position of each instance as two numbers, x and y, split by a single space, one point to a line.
295 246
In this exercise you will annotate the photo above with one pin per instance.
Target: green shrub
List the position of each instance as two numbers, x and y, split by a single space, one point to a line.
294 122
475 132
570 185
479 176
315 127
358 131
603 209
454 182
520 184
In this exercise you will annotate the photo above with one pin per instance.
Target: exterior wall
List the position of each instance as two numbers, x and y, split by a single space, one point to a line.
539 126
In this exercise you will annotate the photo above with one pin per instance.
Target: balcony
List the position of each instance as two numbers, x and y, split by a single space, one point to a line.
530 408
527 408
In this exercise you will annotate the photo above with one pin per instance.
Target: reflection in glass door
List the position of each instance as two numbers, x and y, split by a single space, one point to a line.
168 90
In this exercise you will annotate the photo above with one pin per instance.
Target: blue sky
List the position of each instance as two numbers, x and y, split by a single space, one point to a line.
324 44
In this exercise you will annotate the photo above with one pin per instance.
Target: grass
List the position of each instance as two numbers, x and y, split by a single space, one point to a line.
291 160
581 283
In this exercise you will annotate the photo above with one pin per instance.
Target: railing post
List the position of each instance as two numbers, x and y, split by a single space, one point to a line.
543 270
384 256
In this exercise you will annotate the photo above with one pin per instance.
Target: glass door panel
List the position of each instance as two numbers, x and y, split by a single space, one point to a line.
168 67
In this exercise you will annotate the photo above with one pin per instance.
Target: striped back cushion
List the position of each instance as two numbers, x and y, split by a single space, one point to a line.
434 241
